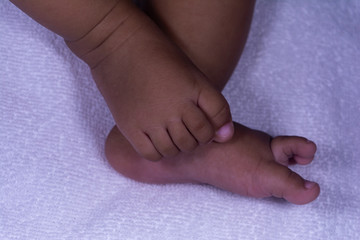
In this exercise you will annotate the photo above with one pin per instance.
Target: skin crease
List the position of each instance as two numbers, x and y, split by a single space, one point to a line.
251 164
159 99
169 104
161 74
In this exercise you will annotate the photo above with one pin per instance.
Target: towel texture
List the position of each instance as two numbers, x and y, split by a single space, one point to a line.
299 75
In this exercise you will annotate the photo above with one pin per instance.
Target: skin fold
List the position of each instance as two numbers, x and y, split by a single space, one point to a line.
161 71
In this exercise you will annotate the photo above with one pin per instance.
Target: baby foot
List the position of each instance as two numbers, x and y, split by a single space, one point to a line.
251 164
160 101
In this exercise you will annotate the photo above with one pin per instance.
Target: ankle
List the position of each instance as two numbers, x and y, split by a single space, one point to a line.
109 33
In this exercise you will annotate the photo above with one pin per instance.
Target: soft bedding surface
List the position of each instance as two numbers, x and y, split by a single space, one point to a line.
299 75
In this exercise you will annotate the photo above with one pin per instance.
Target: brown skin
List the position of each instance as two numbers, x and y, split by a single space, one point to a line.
252 163
148 70
211 33
71 19
159 99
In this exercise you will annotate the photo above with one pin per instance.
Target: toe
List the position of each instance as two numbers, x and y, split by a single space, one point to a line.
143 145
162 142
125 160
198 124
297 149
181 137
225 133
217 110
280 181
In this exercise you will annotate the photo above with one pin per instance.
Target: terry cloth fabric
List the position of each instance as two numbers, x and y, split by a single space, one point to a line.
299 75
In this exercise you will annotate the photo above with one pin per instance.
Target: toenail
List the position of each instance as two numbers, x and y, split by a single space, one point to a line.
225 130
309 184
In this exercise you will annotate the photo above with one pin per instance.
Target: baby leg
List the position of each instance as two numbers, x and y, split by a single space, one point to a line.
211 33
160 100
249 164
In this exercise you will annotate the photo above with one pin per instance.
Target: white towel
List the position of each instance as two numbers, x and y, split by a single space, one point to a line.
299 75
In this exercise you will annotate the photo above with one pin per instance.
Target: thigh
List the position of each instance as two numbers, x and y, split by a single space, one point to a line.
211 32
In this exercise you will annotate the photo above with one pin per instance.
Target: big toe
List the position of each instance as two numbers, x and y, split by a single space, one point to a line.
224 133
217 110
280 181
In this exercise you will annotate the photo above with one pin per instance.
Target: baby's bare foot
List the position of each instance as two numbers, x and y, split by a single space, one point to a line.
251 164
160 101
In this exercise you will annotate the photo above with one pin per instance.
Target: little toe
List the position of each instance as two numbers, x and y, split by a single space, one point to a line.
181 137
280 181
293 149
143 145
125 160
217 110
198 124
162 142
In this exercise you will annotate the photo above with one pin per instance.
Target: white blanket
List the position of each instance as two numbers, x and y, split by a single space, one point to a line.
299 75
